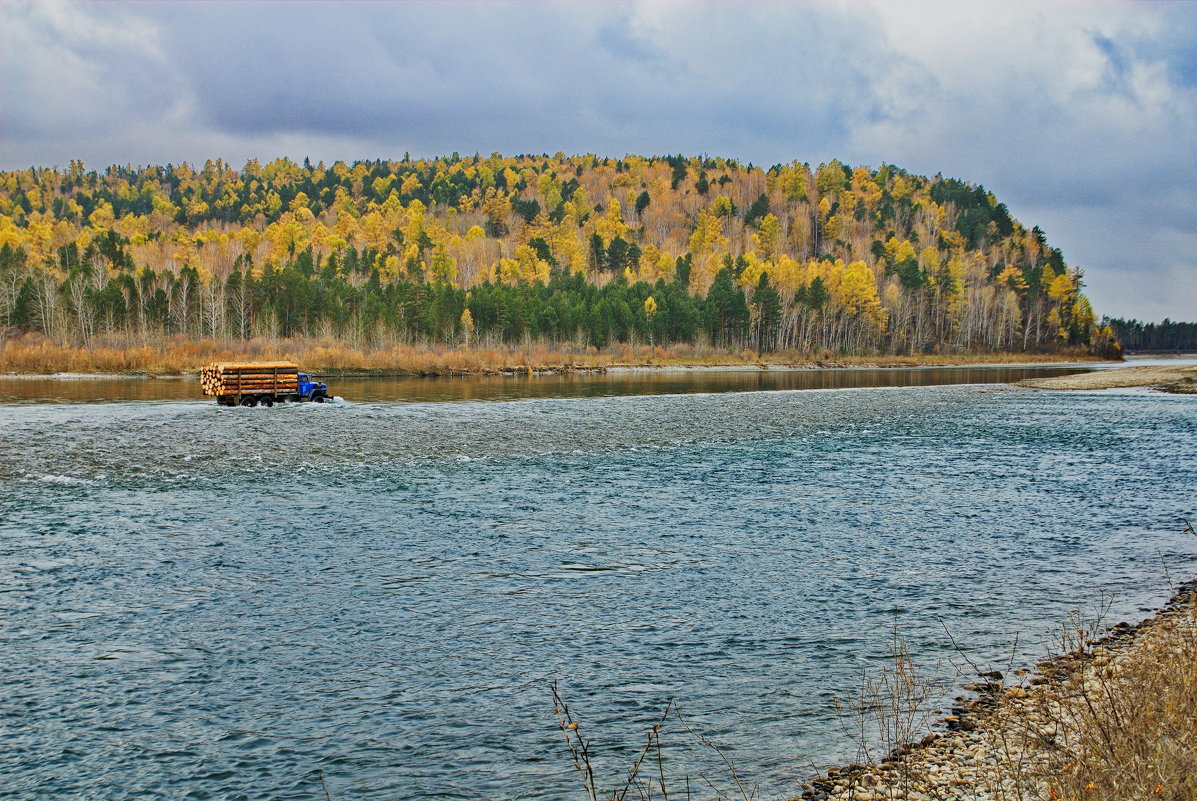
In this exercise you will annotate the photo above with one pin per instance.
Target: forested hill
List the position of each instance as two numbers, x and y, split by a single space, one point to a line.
577 249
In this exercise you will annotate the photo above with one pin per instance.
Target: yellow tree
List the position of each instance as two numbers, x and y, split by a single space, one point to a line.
374 230
287 237
833 228
611 224
858 294
526 267
102 217
654 265
1061 287
389 271
764 241
467 325
566 243
707 246
787 274
1012 277
792 180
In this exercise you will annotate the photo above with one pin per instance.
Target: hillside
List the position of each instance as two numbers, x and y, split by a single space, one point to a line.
585 250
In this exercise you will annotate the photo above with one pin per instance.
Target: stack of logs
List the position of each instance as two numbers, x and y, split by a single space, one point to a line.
260 378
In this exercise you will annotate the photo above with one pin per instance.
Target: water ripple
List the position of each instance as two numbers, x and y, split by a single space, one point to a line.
212 603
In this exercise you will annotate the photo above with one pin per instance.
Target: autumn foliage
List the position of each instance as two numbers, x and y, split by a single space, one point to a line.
508 251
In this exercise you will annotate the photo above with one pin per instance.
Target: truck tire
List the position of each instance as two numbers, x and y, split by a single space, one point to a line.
267 401
319 398
249 400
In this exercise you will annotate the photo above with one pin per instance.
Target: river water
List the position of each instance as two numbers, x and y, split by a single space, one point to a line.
201 602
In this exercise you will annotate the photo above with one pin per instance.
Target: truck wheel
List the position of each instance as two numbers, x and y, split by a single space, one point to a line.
267 402
249 400
319 398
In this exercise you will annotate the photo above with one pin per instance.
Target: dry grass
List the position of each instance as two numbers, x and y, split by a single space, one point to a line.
174 355
1109 718
1123 723
650 774
890 710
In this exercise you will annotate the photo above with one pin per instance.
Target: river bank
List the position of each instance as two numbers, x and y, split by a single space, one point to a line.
614 369
1179 378
173 356
1111 716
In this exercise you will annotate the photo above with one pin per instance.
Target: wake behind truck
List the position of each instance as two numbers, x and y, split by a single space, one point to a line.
260 384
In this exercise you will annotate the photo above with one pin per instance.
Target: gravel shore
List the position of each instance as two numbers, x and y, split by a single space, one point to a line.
1006 743
1179 378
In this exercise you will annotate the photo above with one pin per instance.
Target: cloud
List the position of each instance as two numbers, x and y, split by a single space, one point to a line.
1081 117
1072 117
66 74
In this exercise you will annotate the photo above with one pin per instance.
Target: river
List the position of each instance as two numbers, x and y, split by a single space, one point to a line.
218 603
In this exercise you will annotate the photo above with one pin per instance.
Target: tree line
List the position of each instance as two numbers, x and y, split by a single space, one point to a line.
1168 335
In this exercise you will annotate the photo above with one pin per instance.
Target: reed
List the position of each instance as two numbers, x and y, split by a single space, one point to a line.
1121 723
651 773
174 355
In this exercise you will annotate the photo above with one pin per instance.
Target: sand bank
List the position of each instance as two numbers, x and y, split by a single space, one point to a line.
1173 378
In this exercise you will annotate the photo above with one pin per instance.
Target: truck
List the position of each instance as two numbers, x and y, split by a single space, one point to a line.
260 384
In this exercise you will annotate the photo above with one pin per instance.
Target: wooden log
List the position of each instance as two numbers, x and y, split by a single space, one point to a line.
255 393
232 379
282 377
268 370
243 376
255 387
255 364
247 390
258 377
261 385
233 366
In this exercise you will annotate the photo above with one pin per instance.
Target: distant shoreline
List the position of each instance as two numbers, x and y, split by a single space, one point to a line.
877 363
175 355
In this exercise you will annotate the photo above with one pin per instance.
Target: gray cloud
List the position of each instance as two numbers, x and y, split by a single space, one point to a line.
1080 117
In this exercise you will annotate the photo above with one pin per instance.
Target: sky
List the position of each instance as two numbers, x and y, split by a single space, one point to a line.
1080 116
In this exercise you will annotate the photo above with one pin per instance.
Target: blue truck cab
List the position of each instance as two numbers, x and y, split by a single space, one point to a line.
312 390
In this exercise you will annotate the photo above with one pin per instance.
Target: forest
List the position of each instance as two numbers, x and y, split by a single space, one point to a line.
1168 335
587 250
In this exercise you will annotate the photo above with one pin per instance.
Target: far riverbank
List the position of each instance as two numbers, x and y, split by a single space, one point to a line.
175 356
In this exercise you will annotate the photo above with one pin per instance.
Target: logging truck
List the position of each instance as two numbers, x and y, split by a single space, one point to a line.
260 384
